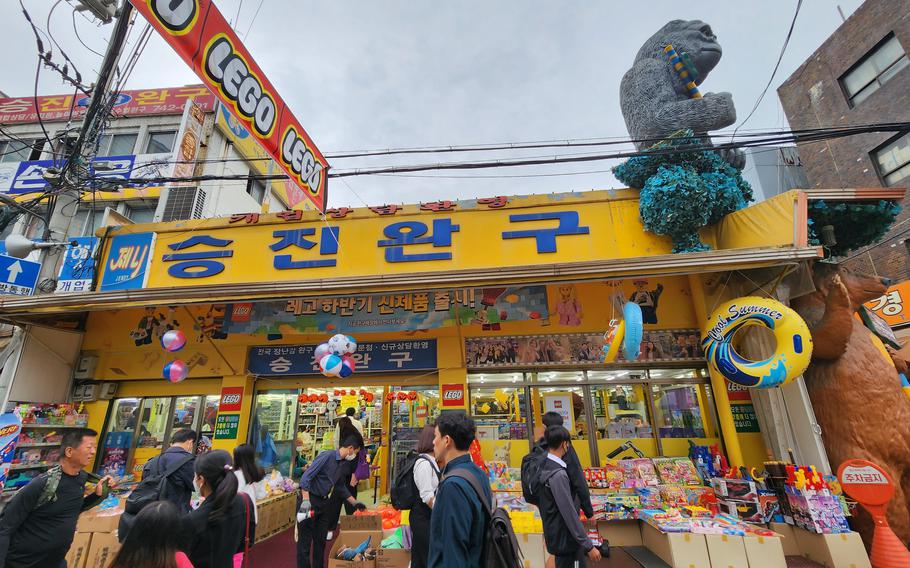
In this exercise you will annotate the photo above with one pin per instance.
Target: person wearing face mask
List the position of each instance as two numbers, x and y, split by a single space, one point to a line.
563 532
223 525
321 486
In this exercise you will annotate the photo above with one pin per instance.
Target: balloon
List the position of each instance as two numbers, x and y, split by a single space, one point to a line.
342 344
330 365
351 392
321 351
176 371
347 369
314 397
173 340
323 397
412 395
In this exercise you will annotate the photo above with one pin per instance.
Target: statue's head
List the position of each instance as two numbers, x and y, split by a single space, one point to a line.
692 37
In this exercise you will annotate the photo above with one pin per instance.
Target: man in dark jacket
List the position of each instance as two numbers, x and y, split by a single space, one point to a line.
38 524
459 524
179 486
577 480
563 532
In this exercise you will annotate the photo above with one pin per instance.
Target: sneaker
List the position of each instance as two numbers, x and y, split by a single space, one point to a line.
329 535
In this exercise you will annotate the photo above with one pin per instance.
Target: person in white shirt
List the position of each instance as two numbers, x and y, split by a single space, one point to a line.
426 478
248 473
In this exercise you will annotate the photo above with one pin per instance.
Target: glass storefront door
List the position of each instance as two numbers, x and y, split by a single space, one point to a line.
407 417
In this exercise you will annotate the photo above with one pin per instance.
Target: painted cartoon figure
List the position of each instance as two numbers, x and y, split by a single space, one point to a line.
568 307
211 325
146 328
647 300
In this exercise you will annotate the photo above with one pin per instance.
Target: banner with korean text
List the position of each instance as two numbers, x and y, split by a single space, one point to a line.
376 357
199 33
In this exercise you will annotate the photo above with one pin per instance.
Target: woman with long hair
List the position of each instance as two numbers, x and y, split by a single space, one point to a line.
223 525
426 478
153 542
248 472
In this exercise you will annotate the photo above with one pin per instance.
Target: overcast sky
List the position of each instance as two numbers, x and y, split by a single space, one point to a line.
392 74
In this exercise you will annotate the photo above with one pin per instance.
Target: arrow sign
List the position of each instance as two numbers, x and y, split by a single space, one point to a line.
15 269
18 276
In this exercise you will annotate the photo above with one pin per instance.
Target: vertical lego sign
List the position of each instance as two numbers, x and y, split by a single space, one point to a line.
201 36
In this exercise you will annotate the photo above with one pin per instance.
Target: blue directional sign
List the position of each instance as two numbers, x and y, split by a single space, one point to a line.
17 276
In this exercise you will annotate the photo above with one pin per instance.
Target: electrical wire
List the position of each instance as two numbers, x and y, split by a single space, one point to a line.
780 58
78 37
253 20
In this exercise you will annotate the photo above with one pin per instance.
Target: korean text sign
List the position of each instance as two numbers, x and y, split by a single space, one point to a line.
127 262
285 247
385 356
198 32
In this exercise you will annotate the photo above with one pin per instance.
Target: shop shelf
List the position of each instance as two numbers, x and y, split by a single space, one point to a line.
40 445
55 426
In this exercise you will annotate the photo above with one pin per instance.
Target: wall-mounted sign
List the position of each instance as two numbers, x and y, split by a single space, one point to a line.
576 349
453 395
375 357
744 418
146 102
127 262
231 399
78 267
198 32
226 426
400 311
29 176
890 306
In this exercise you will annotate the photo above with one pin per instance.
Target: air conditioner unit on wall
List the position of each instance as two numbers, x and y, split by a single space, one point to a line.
87 392
85 367
108 391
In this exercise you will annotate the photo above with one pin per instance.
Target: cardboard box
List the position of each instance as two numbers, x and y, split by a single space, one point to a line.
727 551
734 488
97 521
367 523
844 550
393 558
78 552
533 549
788 538
354 538
766 551
102 550
679 550
620 533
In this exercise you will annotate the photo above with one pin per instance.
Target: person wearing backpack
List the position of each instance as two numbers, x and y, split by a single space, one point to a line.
425 476
38 524
565 536
165 477
460 521
577 481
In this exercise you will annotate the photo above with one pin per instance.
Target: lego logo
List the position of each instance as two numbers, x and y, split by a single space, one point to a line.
453 395
243 310
230 399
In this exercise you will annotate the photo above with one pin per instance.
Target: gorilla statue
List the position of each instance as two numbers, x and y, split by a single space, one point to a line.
654 100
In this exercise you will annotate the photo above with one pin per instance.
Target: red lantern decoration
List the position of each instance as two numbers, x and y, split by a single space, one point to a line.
302 398
412 395
402 395
323 397
362 392
390 397
336 393
314 398
352 392
369 397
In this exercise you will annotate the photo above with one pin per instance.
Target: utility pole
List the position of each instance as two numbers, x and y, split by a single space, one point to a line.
67 182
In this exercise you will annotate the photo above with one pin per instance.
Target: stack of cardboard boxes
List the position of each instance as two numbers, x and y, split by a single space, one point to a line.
276 514
355 530
95 543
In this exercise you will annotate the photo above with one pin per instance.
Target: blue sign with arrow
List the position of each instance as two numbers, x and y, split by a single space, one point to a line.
18 276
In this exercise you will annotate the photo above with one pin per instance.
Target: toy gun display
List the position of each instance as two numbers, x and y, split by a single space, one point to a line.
683 71
627 445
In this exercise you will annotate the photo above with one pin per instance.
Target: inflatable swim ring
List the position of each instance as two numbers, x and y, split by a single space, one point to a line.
792 354
631 343
613 339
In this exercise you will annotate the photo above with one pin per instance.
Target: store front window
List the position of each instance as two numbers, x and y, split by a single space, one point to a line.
408 417
272 432
610 413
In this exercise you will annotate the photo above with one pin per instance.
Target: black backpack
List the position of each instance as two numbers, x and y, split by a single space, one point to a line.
500 550
531 465
404 492
152 487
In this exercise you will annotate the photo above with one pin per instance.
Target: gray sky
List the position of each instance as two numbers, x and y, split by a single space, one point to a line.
392 74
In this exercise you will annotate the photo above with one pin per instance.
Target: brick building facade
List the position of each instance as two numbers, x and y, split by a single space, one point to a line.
860 75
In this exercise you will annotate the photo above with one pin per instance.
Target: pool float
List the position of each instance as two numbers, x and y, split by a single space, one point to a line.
613 340
792 353
631 343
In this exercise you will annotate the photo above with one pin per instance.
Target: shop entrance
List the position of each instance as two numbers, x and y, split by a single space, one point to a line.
138 429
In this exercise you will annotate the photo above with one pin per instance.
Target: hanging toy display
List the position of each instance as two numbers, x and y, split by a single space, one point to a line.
634 331
173 340
176 371
334 356
613 340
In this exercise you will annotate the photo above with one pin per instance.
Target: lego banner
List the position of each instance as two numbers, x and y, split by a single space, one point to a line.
198 32
402 311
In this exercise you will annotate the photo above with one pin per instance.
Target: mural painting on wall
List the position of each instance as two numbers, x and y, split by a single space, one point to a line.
155 321
576 349
647 300
399 312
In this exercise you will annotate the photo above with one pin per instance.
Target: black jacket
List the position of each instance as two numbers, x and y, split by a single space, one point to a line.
179 487
562 531
212 544
577 479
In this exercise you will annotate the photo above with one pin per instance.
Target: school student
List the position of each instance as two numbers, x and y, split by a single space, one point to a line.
565 536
